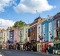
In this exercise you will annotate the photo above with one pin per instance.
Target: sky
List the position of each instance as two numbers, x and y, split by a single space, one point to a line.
26 10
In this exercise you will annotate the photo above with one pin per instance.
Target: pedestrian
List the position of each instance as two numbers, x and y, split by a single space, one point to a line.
47 50
50 49
18 46
14 46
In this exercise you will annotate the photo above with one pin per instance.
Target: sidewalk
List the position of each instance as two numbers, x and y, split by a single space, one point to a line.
46 54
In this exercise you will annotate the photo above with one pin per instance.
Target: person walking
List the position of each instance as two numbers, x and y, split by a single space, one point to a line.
50 49
18 46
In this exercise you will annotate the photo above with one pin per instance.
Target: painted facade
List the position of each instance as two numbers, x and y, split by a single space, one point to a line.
35 33
23 35
35 30
5 36
1 36
48 30
57 26
16 35
51 30
11 35
45 31
39 31
8 34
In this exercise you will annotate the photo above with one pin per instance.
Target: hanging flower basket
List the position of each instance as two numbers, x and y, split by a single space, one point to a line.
56 38
40 37
51 37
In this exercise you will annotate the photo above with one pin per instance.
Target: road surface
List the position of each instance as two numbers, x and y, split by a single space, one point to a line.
23 53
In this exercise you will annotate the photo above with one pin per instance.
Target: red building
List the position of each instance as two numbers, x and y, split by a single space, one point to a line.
44 46
33 30
32 33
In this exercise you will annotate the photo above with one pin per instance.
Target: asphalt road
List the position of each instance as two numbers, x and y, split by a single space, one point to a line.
23 53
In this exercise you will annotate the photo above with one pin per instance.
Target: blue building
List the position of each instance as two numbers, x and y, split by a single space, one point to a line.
48 30
45 30
11 37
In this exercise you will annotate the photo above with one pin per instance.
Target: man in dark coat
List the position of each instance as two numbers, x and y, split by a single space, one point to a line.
50 49
18 46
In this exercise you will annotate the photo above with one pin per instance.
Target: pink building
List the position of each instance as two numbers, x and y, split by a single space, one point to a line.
16 35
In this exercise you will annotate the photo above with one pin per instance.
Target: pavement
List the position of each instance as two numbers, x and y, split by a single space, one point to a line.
23 53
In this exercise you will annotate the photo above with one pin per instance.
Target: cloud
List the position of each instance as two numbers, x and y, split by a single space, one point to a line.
6 23
32 5
5 3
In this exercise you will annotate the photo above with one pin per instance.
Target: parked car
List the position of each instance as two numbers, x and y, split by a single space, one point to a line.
56 47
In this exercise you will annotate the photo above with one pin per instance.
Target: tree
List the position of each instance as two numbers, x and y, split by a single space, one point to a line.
19 24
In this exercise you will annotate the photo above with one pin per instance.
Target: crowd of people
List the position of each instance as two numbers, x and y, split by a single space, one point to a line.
14 46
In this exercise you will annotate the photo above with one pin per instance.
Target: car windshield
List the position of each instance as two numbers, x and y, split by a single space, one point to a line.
57 46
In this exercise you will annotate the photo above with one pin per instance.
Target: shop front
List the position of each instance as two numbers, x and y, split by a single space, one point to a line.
44 46
38 47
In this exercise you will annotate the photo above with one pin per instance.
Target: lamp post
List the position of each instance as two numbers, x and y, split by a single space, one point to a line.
37 12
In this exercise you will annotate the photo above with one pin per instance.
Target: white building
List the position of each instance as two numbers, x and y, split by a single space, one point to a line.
1 37
6 35
23 33
39 31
